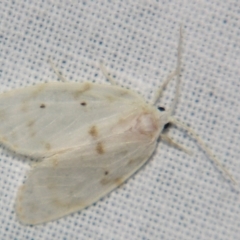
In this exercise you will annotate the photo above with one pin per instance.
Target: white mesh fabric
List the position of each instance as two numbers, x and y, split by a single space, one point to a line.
175 196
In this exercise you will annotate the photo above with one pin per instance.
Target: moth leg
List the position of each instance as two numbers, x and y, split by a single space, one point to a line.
165 138
106 73
56 70
204 147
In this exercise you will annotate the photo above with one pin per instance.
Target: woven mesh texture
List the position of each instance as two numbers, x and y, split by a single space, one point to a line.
175 196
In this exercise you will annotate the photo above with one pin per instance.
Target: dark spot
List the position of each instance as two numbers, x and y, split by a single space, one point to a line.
167 126
83 103
161 109
93 131
100 148
106 172
42 105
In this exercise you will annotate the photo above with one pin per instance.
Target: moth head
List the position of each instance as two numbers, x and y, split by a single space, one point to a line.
164 118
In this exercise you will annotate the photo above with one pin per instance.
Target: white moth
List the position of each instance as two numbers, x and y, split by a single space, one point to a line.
90 138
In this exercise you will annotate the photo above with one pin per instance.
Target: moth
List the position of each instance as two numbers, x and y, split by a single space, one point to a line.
89 137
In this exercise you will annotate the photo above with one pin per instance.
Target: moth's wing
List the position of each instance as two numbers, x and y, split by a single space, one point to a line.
71 181
46 119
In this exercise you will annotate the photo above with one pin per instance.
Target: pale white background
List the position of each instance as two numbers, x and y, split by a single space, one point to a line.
175 196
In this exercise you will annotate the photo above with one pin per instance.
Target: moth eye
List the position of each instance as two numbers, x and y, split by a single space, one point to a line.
161 109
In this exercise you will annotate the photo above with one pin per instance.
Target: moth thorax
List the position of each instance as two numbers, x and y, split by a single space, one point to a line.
146 124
